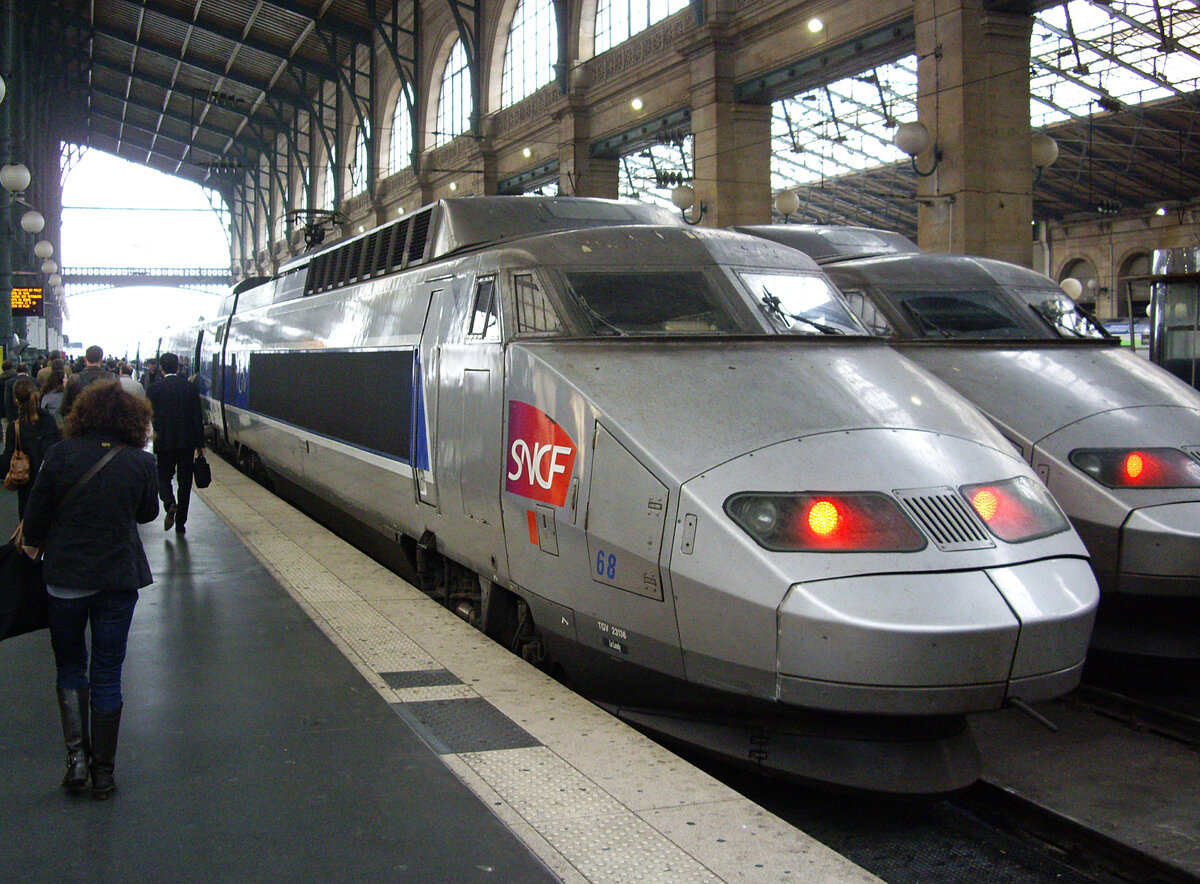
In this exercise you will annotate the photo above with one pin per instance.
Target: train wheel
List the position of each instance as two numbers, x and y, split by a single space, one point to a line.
527 642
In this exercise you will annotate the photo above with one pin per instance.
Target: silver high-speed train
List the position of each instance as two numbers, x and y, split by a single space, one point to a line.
671 462
1115 438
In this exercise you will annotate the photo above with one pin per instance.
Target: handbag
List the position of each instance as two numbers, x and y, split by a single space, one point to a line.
24 603
19 467
201 472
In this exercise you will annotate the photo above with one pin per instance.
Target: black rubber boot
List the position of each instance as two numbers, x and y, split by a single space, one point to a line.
105 727
73 709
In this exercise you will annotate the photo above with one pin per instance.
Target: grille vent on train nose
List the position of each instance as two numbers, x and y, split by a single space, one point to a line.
946 518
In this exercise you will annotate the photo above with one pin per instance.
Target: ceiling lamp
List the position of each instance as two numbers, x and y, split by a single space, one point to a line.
43 248
53 280
49 267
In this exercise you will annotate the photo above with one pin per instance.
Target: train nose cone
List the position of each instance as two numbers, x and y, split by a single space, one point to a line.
937 642
1161 543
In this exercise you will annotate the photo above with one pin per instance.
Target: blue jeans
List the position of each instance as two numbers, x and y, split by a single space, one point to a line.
110 614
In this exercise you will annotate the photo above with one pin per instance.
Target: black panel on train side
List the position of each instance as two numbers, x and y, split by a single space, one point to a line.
364 399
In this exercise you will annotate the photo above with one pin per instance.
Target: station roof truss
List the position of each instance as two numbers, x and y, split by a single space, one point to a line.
210 89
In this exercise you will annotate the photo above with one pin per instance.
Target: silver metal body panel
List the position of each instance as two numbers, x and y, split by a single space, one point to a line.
827 245
1031 391
1162 540
728 397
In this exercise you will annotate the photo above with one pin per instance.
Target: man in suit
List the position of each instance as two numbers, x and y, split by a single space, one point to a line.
92 371
178 438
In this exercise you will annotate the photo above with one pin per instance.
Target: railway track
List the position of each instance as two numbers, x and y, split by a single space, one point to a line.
1089 852
1141 715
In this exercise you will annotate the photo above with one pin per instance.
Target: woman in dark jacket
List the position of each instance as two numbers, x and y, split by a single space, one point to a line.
94 565
38 431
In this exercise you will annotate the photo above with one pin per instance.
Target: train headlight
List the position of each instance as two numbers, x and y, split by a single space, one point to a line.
825 522
1016 510
1138 468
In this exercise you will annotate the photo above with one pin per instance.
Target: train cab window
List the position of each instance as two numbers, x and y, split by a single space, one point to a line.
535 313
799 304
948 313
646 303
485 323
1062 313
868 312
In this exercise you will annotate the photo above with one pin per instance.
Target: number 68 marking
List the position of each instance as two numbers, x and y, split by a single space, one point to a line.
606 565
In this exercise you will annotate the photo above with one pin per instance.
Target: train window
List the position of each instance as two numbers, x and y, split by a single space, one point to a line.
535 313
868 312
639 303
966 313
1063 314
484 323
801 304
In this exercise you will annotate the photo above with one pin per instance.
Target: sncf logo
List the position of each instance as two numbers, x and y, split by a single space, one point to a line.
540 455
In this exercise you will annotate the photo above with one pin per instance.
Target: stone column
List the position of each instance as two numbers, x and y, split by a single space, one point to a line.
580 173
973 97
731 142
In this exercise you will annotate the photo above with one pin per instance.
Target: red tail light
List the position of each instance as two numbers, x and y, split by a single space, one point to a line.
1138 468
1016 510
813 521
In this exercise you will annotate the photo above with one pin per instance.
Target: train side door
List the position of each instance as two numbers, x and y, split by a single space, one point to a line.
481 421
425 398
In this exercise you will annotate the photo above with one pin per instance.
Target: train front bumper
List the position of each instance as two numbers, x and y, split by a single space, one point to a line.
1160 551
949 642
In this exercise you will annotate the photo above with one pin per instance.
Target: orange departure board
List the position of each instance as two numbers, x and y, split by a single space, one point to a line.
27 301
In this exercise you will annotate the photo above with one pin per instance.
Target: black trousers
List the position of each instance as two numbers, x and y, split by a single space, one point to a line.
174 463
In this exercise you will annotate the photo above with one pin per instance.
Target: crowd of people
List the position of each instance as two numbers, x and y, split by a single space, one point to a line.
87 480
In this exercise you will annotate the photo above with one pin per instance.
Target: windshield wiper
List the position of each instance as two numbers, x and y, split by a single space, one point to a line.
924 322
600 319
775 306
1056 320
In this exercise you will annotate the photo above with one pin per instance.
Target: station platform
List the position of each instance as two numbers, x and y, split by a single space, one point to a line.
296 712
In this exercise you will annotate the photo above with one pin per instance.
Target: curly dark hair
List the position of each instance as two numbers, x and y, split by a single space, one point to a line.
104 408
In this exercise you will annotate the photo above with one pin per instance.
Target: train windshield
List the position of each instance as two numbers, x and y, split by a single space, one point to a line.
801 305
651 303
973 313
1062 314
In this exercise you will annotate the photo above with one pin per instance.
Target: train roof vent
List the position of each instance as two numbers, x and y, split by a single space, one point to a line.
420 234
946 518
316 272
1193 451
370 250
353 259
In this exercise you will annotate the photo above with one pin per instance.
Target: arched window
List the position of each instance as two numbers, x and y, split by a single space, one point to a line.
531 52
454 102
329 193
618 20
401 146
361 169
